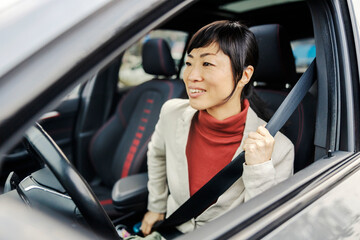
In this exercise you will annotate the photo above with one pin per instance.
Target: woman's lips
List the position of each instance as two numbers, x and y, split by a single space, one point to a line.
196 92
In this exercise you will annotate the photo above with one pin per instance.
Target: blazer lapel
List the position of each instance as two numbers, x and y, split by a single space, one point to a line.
251 125
181 137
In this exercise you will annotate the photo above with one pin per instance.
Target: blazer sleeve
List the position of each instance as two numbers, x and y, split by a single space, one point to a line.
260 177
157 186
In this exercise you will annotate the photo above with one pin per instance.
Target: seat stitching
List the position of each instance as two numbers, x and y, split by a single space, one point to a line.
161 56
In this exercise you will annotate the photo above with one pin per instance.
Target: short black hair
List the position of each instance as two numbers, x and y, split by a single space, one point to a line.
236 41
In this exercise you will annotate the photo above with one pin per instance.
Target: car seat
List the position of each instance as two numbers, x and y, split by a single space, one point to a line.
118 149
274 75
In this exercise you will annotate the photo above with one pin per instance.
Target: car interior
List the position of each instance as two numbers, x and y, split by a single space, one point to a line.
104 125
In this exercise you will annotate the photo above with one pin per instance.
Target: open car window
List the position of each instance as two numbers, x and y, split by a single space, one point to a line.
304 51
131 72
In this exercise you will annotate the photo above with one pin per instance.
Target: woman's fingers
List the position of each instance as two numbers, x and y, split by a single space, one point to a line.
145 229
263 131
253 141
258 146
150 218
255 135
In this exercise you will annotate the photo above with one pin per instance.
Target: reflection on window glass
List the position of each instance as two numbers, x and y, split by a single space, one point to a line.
73 94
304 52
131 72
248 5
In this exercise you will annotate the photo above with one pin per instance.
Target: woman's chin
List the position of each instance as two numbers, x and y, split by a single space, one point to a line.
197 106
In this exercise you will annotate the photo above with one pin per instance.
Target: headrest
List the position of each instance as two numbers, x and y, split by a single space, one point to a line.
157 58
276 66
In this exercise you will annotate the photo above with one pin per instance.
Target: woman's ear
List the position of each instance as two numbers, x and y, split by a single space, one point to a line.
247 74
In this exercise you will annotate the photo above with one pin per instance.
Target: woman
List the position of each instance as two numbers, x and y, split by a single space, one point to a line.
195 138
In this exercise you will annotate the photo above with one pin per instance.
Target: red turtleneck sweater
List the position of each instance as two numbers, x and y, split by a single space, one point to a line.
212 144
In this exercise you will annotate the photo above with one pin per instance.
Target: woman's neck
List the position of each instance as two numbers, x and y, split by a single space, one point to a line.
225 110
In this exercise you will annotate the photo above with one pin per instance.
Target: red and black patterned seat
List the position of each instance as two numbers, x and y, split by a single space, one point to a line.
119 147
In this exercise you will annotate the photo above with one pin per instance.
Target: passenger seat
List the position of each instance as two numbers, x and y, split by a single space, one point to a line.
273 78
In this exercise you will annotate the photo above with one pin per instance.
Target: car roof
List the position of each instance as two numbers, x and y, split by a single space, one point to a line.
293 15
30 25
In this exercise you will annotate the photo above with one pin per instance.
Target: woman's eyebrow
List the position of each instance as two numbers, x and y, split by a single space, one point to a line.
201 55
206 54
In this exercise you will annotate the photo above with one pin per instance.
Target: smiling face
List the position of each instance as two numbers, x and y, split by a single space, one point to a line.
209 81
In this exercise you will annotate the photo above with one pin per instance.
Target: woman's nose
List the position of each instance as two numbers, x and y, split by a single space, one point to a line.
195 74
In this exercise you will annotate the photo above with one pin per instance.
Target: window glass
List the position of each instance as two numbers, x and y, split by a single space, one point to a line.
248 5
131 71
304 52
73 94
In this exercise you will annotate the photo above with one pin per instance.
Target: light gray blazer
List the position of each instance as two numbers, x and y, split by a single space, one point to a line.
168 170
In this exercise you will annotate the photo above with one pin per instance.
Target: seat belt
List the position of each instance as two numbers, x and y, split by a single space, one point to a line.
222 181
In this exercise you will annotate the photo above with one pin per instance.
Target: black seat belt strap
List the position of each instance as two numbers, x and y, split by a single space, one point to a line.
292 100
223 180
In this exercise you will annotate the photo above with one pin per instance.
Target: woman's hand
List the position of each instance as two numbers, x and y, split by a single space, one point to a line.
150 218
258 146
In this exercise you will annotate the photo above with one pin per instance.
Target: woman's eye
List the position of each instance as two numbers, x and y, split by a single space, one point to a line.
188 64
207 64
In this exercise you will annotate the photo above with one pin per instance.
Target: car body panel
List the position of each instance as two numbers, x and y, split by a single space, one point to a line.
31 25
334 215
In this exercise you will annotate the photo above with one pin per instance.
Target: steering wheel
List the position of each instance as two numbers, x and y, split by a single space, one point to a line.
75 185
